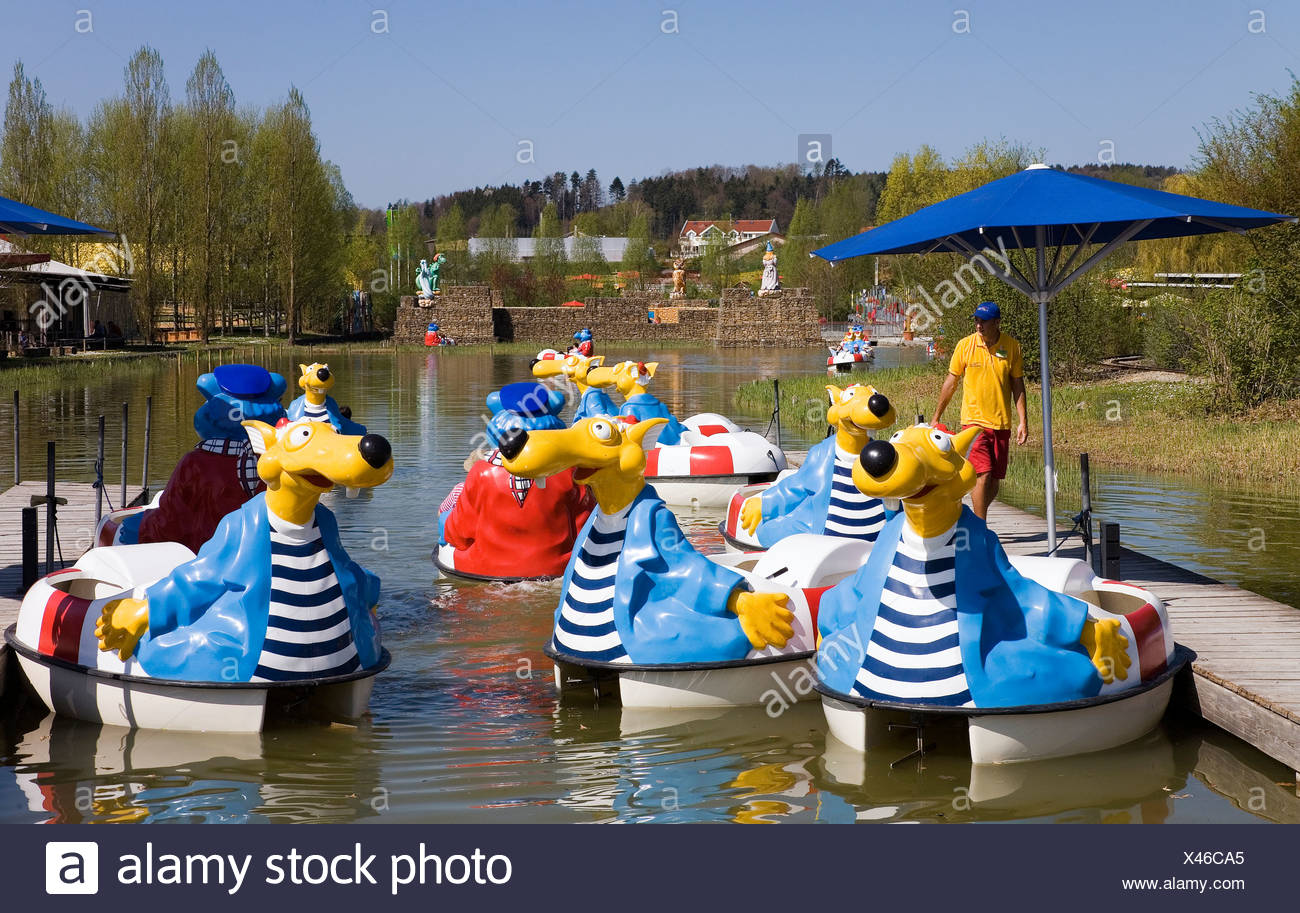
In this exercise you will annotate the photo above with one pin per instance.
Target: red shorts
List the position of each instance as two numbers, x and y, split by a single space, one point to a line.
990 451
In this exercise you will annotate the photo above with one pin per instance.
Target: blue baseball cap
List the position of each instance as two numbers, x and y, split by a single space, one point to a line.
525 398
988 310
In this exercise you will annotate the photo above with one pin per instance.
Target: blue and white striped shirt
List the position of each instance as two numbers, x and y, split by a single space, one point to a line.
914 655
308 631
314 413
851 514
585 627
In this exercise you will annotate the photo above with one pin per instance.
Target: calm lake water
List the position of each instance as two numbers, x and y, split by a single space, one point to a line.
465 726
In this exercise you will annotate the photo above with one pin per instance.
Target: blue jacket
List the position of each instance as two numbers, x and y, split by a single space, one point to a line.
670 602
341 425
594 402
643 406
1019 641
207 619
799 502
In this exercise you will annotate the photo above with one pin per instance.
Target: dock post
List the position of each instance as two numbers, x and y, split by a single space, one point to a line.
18 475
144 470
122 503
1109 555
99 475
1085 512
29 547
49 507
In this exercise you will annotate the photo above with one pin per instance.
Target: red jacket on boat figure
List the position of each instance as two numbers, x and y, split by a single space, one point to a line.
506 527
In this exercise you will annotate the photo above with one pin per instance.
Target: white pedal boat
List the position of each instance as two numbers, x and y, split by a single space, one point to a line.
842 360
1121 713
54 641
803 567
714 456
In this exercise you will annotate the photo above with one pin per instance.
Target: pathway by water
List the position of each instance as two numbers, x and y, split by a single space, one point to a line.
465 726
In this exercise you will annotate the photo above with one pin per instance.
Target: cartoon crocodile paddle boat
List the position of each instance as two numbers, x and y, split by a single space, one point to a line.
819 497
271 610
503 528
316 405
641 611
698 462
1040 657
587 373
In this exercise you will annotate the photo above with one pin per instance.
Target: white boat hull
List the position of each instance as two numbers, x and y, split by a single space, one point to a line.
758 684
1008 738
687 492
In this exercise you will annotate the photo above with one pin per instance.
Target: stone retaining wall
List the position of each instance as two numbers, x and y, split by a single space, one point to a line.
474 314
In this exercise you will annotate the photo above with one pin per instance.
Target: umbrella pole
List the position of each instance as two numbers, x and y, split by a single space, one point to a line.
1049 460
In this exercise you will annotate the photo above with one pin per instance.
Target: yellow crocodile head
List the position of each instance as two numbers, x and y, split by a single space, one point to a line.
316 381
300 461
584 371
632 376
926 467
855 412
604 455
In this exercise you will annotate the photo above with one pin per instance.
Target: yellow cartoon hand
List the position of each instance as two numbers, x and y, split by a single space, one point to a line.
1107 648
751 513
764 618
121 625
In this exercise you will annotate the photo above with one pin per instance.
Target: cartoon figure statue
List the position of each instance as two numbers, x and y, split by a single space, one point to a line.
272 596
424 280
930 621
582 344
431 335
435 270
771 281
631 378
679 280
820 496
219 474
636 591
588 374
511 528
315 405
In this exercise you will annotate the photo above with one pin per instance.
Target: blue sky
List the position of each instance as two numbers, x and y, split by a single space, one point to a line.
454 92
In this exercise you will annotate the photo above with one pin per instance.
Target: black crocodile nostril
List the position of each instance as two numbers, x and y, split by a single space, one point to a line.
512 443
878 404
375 449
878 457
322 374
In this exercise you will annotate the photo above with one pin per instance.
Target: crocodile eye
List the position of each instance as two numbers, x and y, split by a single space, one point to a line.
941 440
895 437
300 436
602 430
846 396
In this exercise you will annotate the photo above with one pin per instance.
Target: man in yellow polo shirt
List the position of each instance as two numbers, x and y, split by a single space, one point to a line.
988 361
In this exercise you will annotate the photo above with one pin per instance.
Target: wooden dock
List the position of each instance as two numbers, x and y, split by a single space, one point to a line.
1246 676
75 526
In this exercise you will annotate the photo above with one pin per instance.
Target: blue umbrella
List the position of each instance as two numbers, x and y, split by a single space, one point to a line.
1058 216
20 219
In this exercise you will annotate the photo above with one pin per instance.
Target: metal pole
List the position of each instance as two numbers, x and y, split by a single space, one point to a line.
99 475
1049 458
49 507
144 470
1085 511
17 462
776 400
30 540
124 430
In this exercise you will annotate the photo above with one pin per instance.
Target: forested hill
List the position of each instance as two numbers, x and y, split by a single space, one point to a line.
708 192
